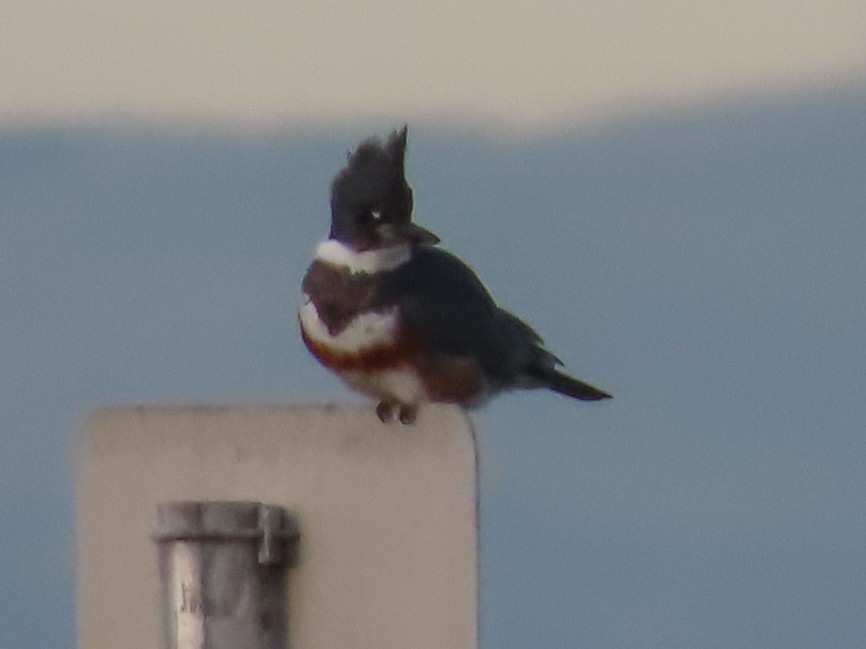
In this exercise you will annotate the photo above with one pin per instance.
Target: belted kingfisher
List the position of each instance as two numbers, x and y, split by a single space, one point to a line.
404 321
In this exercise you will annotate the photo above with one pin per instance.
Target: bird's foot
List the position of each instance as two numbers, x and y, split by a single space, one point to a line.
407 414
385 411
388 411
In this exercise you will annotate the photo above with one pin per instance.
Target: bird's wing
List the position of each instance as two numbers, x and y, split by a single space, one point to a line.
443 301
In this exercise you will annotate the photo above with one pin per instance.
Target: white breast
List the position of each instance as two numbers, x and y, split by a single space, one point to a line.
363 331
368 330
400 384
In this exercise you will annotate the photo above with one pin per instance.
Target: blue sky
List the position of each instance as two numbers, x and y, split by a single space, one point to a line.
705 265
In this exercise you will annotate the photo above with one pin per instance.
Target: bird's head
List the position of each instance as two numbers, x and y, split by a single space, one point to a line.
371 203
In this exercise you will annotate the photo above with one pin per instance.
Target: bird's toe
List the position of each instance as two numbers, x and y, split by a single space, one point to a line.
385 411
407 414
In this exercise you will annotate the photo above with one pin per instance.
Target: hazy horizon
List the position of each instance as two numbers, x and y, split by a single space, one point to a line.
523 66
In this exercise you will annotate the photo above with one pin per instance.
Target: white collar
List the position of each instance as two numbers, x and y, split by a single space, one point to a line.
379 260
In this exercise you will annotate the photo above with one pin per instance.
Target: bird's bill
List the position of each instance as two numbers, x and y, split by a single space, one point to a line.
394 233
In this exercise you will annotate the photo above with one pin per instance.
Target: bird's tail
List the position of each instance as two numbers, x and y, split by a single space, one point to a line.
540 365
564 384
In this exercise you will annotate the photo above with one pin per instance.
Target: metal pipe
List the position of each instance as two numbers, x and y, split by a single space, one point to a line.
223 569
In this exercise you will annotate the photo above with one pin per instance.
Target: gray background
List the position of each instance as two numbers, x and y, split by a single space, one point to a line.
705 265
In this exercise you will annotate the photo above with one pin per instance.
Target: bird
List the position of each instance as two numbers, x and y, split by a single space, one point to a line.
402 320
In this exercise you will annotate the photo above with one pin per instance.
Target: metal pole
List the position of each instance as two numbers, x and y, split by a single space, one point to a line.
223 569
